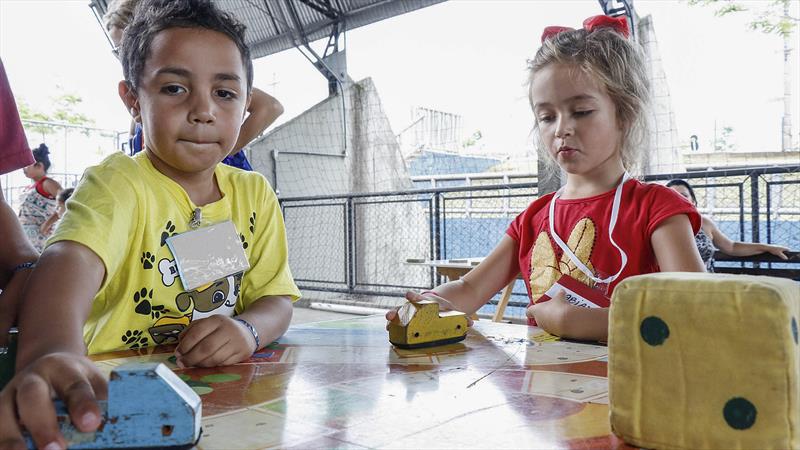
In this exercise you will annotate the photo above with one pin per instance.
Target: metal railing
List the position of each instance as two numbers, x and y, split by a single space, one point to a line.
358 243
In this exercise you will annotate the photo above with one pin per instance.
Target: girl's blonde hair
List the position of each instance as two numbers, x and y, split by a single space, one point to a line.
616 64
119 13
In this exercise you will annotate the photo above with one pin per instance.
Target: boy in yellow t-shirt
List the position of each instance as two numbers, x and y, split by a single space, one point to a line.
108 278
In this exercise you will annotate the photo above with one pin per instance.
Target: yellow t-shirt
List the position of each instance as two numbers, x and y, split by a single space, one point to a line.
124 209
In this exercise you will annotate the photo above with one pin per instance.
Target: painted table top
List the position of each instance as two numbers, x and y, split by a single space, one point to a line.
341 384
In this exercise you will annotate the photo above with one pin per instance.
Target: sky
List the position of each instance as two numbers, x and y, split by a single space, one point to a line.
466 57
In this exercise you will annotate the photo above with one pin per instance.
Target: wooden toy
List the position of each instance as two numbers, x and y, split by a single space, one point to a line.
148 407
423 325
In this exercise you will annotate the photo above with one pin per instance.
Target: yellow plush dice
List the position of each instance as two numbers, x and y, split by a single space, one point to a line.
705 361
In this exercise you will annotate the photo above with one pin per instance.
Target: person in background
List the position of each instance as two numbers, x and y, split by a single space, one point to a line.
50 224
17 255
710 237
38 201
263 110
588 91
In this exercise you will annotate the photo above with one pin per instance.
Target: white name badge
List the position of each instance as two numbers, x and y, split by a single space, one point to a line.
577 293
208 254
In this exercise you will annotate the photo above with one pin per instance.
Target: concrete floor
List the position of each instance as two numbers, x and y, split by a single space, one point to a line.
304 315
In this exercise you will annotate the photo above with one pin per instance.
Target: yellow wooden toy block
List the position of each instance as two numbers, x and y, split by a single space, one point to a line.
422 325
705 361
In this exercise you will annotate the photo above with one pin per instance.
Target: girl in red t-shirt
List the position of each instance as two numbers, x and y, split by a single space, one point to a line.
588 90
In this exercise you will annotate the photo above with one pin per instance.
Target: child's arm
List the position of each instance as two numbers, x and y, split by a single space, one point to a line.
736 248
674 246
16 250
220 340
559 317
264 109
56 303
474 289
52 187
675 251
47 226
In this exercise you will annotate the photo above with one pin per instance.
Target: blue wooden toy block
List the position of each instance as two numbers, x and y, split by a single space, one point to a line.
148 407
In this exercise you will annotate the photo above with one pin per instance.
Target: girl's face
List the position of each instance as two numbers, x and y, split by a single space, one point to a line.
684 192
34 171
577 120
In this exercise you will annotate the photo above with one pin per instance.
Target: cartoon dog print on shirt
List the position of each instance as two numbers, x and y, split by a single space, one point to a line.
218 297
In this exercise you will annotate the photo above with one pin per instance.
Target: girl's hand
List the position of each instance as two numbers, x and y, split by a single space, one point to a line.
415 297
550 315
214 341
72 378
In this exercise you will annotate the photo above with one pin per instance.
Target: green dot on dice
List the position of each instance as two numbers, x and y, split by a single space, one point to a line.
654 331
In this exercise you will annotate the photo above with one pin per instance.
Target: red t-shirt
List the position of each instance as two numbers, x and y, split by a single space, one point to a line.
583 225
14 150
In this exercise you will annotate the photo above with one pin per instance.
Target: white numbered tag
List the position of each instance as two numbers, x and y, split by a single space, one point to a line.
208 254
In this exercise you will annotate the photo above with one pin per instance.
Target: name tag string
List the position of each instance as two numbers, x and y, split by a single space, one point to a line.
611 225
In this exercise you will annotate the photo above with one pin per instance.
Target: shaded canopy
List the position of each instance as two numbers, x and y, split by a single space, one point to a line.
277 25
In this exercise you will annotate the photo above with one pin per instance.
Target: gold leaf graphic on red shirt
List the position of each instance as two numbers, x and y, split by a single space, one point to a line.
546 270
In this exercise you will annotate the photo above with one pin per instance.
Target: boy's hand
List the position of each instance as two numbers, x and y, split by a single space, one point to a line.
214 341
415 297
28 395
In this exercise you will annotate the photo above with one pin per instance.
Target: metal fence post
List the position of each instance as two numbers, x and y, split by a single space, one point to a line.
754 209
437 225
350 225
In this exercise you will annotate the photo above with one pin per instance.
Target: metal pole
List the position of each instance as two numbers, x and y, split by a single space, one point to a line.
437 224
351 247
754 210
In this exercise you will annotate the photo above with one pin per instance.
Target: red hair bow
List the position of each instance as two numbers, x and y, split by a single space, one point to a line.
618 24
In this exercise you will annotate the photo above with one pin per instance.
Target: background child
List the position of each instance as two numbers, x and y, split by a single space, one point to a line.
588 91
39 199
61 199
710 238
107 279
263 110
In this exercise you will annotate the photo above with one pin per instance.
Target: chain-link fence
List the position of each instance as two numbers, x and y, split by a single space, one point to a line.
360 244
72 149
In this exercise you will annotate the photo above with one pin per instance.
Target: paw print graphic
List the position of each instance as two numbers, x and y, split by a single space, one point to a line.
144 305
169 230
244 242
147 260
142 299
253 223
134 339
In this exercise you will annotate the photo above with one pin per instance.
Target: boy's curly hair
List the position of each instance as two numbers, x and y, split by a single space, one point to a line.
154 16
615 63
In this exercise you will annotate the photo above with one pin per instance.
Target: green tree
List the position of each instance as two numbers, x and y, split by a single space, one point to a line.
473 139
768 16
771 17
65 111
725 142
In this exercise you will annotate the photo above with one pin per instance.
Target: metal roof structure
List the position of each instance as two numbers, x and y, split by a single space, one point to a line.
277 25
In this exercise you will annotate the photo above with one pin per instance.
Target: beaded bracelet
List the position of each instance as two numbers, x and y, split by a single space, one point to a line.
252 330
23 266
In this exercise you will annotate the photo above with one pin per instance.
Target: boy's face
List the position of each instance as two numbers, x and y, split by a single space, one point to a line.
191 99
